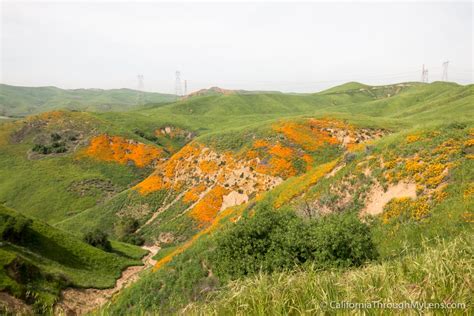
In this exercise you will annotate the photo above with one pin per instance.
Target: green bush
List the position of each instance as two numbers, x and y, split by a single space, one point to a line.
98 239
14 229
125 231
54 148
271 241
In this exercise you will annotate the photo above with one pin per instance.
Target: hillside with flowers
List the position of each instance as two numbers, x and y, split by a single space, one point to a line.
236 188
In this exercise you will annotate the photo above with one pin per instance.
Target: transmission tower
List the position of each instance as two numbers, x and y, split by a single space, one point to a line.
178 89
424 74
445 71
185 87
141 86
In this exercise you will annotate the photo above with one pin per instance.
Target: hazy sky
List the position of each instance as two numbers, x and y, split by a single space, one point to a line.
300 47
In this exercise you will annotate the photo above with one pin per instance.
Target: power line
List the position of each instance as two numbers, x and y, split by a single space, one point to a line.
444 77
177 87
424 74
141 86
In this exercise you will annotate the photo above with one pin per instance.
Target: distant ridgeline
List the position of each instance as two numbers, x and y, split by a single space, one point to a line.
22 101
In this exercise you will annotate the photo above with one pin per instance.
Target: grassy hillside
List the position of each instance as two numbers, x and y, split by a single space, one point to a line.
21 101
421 231
179 175
56 185
390 105
431 275
37 260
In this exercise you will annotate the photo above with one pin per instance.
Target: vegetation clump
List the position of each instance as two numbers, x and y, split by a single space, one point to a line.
125 231
272 241
13 228
57 146
98 239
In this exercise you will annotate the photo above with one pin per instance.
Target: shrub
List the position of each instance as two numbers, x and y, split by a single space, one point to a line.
125 229
56 148
271 241
14 229
134 240
98 239
42 149
55 137
349 157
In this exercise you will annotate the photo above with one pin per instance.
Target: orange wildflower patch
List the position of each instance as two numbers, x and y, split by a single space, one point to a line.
208 167
121 150
355 147
281 151
188 151
469 192
151 184
412 138
193 195
404 209
251 154
207 208
282 167
469 142
468 217
309 136
53 115
260 143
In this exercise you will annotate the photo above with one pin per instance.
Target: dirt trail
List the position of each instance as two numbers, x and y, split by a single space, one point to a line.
81 301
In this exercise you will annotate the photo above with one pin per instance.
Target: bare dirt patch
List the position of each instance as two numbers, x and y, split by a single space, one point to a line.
378 198
10 305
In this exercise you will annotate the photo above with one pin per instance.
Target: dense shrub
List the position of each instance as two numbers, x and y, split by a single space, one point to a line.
54 148
125 231
55 137
14 229
273 240
98 239
149 137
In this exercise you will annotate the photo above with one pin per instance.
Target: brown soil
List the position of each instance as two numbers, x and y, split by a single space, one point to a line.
13 305
82 301
378 198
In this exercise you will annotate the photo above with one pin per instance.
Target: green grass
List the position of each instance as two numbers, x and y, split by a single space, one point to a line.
48 260
438 274
20 101
403 249
230 122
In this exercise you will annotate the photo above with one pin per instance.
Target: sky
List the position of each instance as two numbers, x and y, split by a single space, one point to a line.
285 46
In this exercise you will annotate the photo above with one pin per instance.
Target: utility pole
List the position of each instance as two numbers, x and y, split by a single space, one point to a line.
178 89
141 86
424 74
445 71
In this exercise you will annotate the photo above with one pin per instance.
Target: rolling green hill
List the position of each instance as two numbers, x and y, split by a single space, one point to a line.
38 260
183 175
21 101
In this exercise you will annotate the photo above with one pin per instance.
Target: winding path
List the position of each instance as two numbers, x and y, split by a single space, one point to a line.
81 301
